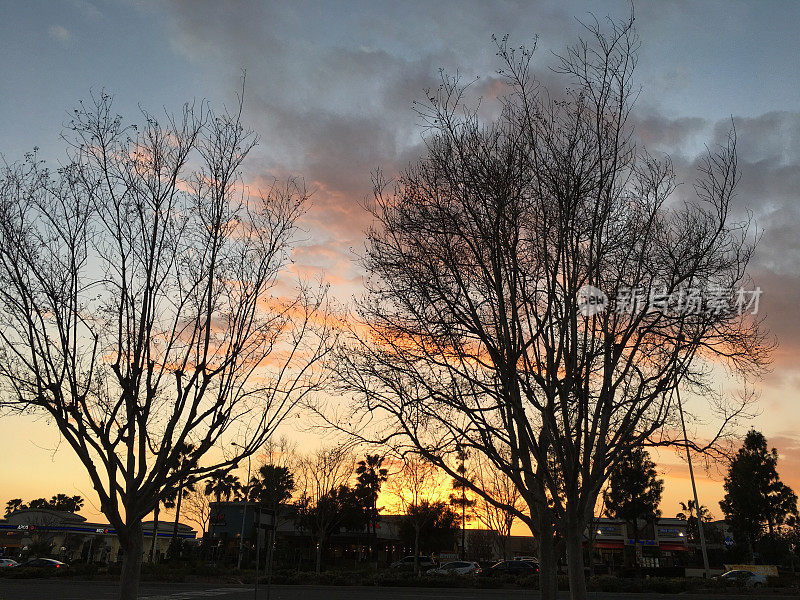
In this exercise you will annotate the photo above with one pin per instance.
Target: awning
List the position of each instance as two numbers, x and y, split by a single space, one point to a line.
609 544
674 547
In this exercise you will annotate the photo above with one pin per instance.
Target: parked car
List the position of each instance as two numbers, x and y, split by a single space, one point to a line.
513 567
743 578
7 562
457 567
425 562
43 563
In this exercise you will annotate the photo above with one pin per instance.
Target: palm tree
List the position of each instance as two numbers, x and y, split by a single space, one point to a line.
167 496
162 499
13 505
66 503
371 476
272 485
222 484
690 514
175 496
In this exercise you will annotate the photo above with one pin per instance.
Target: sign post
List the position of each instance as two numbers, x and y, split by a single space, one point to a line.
264 520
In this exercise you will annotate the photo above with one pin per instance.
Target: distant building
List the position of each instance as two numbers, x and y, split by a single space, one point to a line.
294 546
660 544
70 536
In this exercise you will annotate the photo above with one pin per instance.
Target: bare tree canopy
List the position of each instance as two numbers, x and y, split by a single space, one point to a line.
326 502
530 286
498 516
137 308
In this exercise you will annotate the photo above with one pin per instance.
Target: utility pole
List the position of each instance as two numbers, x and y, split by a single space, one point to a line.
244 510
694 488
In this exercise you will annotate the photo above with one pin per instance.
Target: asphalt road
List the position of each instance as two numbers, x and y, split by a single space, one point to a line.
64 589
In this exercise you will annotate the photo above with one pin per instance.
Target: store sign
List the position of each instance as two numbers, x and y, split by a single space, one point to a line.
607 530
632 542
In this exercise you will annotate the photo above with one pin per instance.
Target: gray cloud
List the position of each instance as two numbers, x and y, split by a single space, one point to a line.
331 91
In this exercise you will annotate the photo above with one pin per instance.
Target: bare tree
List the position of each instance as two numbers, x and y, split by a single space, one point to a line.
326 502
197 508
485 323
496 516
137 313
419 483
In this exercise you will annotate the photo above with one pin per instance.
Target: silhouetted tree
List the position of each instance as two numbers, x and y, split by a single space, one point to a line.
429 527
690 514
63 502
755 497
634 492
480 326
222 485
137 307
66 503
198 508
418 483
174 497
459 499
272 486
327 503
370 476
13 505
496 517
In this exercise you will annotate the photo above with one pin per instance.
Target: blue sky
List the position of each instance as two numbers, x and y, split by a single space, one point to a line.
330 86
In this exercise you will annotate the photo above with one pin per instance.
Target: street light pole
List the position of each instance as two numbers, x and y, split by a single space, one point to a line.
244 510
694 490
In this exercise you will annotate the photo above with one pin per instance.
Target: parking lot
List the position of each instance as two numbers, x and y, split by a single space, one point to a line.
52 589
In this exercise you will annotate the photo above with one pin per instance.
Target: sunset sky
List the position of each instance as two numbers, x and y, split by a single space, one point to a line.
329 89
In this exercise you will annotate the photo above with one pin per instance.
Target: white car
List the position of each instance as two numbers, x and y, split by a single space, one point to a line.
458 567
7 562
743 578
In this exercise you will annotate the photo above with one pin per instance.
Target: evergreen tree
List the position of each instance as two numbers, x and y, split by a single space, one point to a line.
755 497
459 498
634 491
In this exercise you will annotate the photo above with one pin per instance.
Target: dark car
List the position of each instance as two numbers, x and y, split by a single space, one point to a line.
43 563
513 567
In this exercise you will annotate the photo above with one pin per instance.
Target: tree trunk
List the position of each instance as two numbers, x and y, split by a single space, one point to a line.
155 532
416 551
173 544
548 560
133 544
577 578
463 525
319 556
375 538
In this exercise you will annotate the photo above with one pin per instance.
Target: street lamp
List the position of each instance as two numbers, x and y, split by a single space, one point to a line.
244 510
703 550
